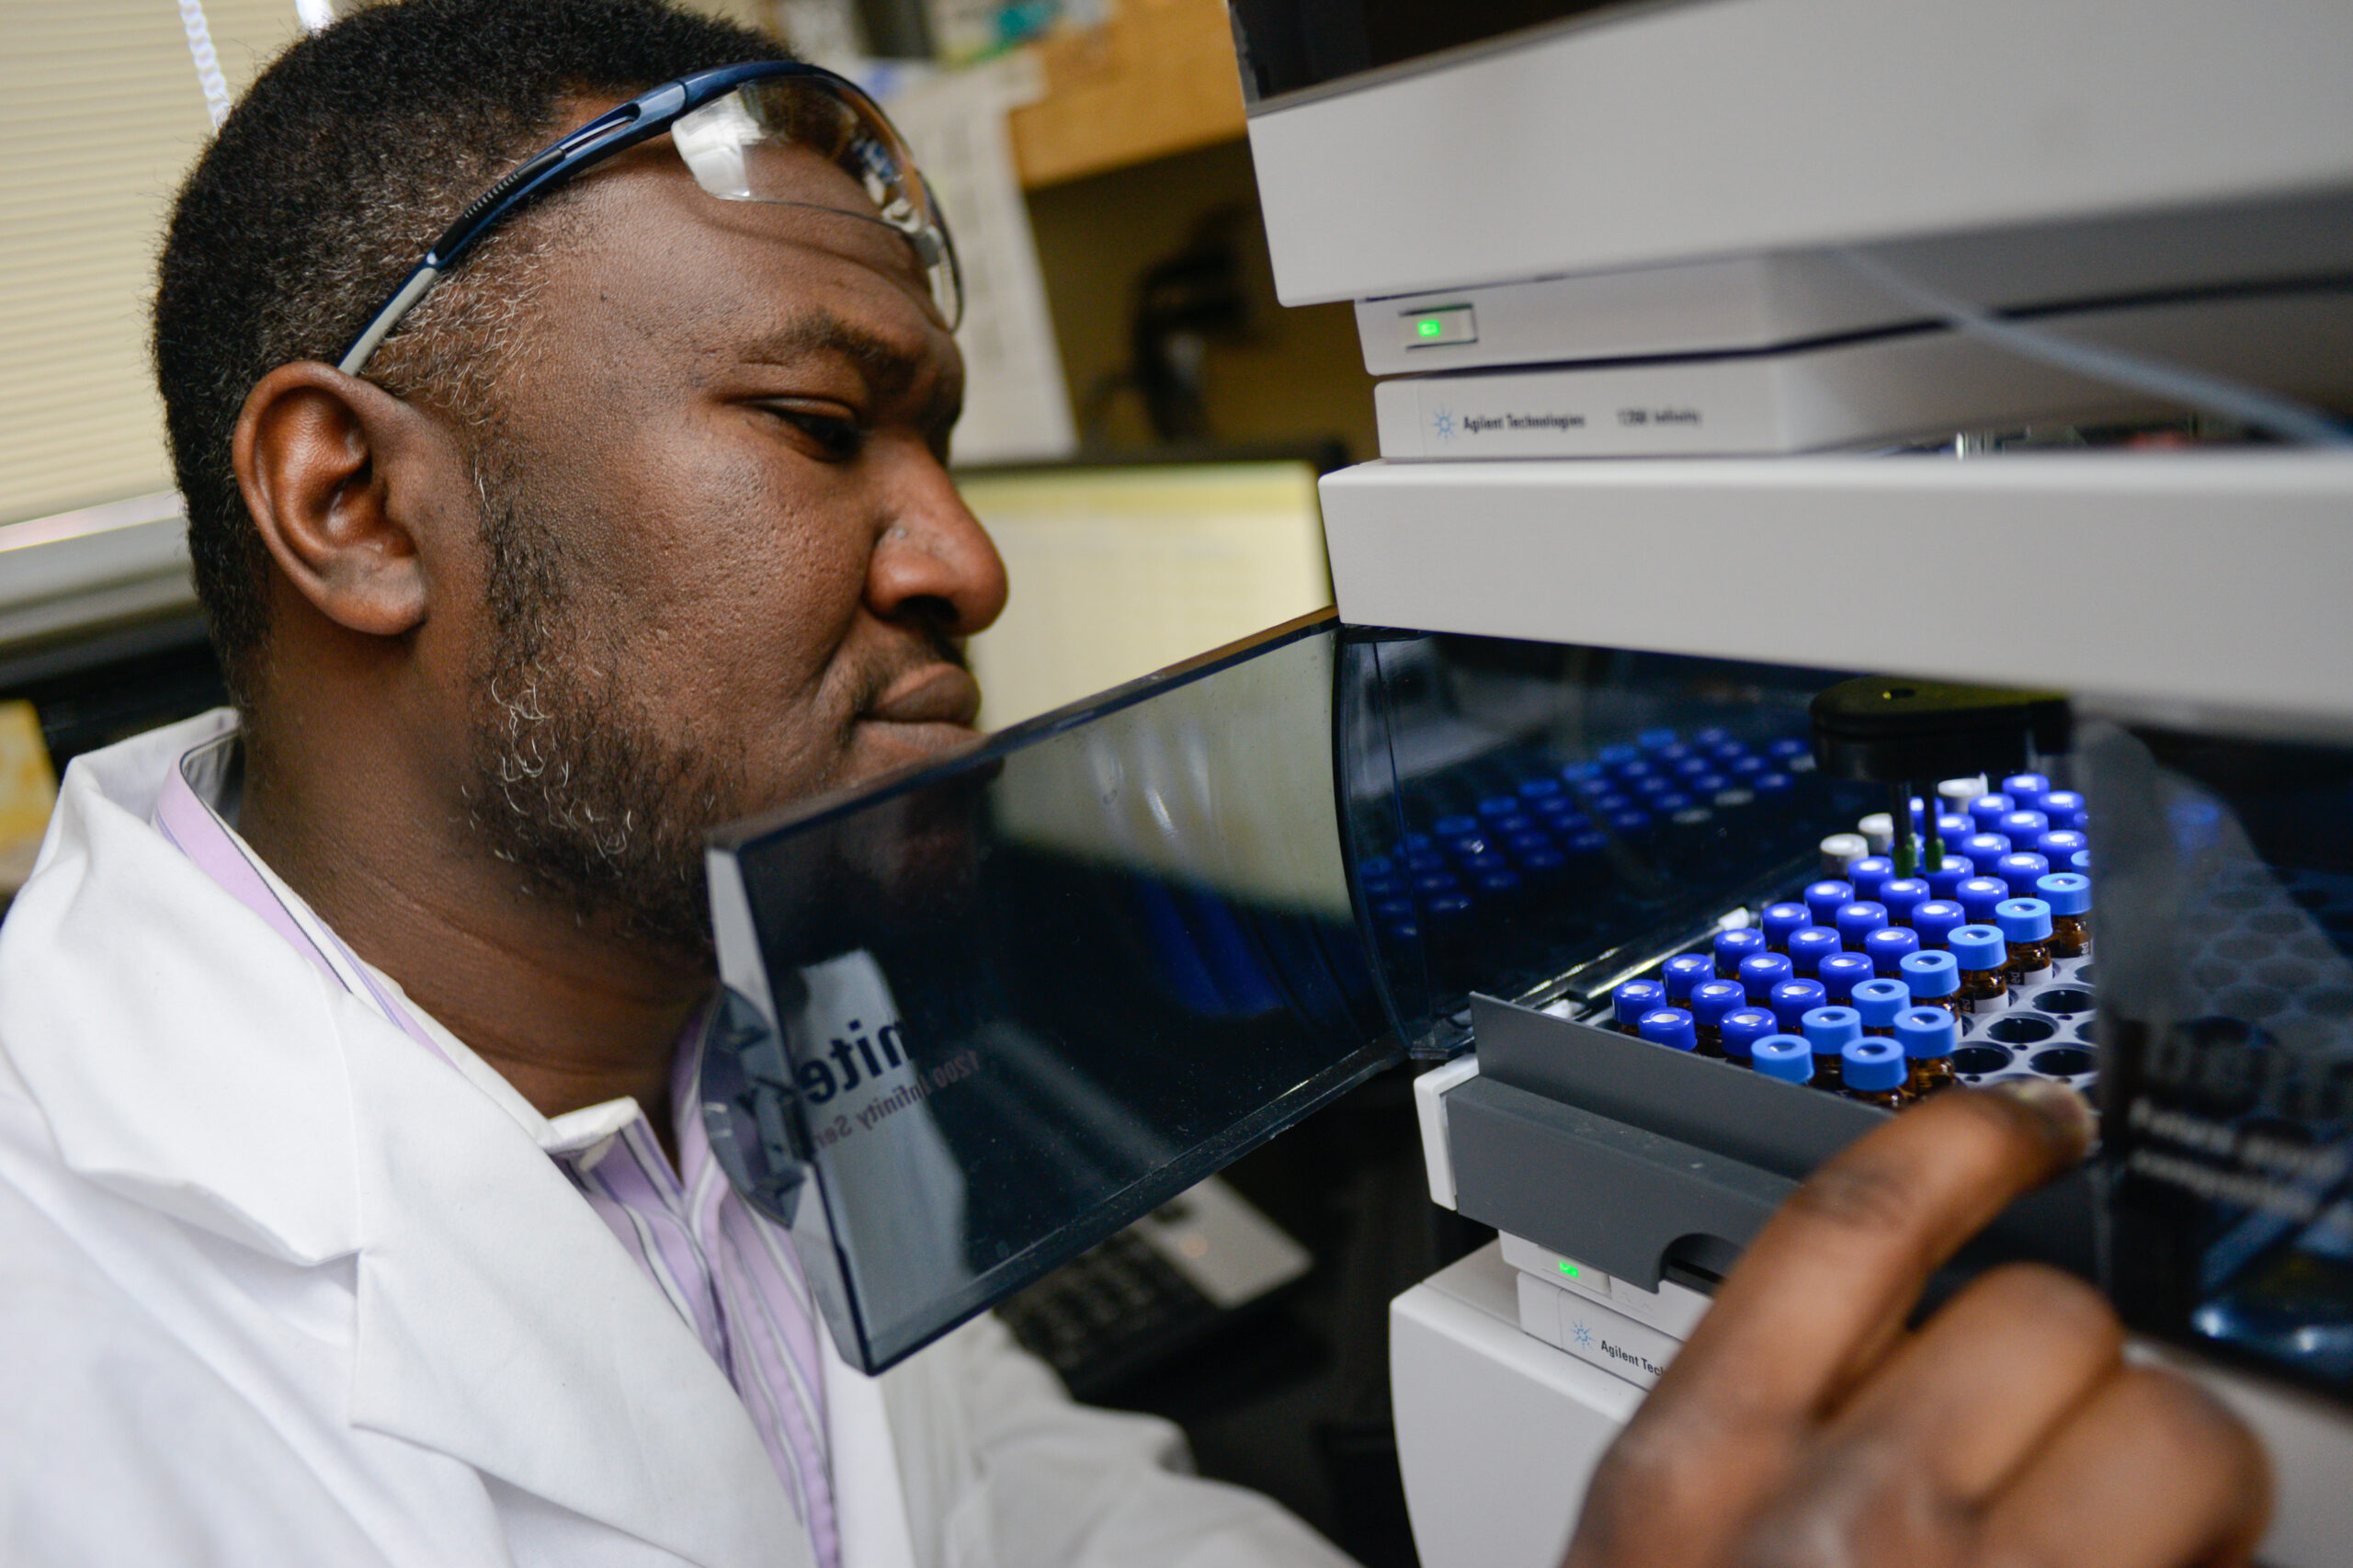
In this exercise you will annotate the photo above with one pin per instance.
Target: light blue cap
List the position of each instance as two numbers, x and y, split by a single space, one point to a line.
1880 1000
1784 1056
1931 973
1873 1066
1669 1027
2067 892
2024 919
1978 947
1827 1029
1743 1027
2083 861
1927 1032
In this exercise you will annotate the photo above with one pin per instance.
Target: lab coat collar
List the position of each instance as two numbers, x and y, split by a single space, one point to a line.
186 1056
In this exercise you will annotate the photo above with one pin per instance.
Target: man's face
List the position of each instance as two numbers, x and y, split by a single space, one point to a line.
724 565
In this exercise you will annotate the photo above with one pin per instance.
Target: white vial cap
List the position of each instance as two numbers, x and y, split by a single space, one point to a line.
1841 850
1878 830
1958 792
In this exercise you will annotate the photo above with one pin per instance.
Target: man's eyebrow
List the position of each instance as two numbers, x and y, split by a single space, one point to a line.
889 367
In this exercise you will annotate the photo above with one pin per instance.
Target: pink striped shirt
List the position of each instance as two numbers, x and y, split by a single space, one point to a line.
729 1271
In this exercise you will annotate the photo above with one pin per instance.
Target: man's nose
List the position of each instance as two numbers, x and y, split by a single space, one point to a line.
934 560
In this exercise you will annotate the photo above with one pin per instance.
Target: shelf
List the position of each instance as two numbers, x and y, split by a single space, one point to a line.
1158 78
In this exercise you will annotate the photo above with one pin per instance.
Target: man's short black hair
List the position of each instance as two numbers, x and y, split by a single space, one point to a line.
346 158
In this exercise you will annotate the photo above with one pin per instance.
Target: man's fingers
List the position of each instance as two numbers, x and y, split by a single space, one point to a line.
2088 1500
1835 1271
1970 1398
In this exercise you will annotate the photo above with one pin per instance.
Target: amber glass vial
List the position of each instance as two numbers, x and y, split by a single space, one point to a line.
1981 953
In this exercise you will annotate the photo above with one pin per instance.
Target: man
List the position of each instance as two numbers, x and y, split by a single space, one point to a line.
346 1208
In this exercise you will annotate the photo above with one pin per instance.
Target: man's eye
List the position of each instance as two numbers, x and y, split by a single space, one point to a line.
839 439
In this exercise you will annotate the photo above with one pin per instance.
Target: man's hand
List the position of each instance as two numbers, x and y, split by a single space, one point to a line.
1803 1424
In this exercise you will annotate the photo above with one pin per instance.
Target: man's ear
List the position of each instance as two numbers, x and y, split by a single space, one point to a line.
342 479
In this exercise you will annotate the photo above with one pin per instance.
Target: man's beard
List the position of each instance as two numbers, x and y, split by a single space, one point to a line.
596 800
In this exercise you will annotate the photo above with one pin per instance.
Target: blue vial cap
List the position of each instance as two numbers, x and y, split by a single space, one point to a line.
1630 824
1669 1027
1578 772
1627 772
1674 754
1635 997
1902 895
1589 841
1793 999
1375 866
1927 1032
1743 1027
1453 826
1728 750
1873 1066
1711 999
1709 784
1880 1000
1498 884
1436 882
1979 947
1747 766
1979 896
1542 862
1684 971
1886 949
1825 900
1396 909
1653 739
1713 735
2024 919
1425 861
1810 947
1734 946
1772 783
1987 810
1828 1028
1418 841
1536 790
1841 973
1930 973
2060 845
1933 922
1651 785
2064 808
1527 843
2026 789
1518 821
1759 972
1404 933
1784 1056
1486 861
1780 919
1858 920
1691 765
2022 827
1610 805
1593 789
1949 876
1789 748
1672 803
1445 909
1499 805
2067 892
1378 888
1867 873
1983 851
2021 872
2082 861
1952 827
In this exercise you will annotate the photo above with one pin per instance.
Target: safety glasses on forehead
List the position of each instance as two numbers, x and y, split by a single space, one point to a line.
731 124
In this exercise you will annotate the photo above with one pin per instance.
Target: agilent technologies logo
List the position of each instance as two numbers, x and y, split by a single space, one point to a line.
1583 1334
1442 423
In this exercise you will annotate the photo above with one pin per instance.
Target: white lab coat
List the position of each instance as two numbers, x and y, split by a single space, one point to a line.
277 1285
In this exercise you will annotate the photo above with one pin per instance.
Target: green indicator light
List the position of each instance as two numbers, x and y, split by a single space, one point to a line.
1570 1269
1430 326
